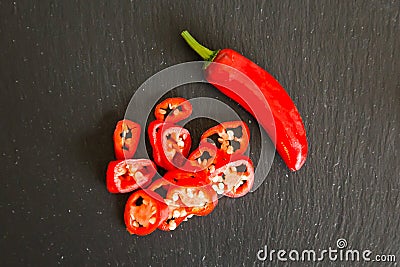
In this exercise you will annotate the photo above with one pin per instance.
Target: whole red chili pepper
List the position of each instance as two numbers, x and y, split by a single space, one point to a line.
290 138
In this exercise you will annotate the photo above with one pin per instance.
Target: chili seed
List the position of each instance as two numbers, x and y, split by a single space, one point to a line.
176 214
183 213
172 225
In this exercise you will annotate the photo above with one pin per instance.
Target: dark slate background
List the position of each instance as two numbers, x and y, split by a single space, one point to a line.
69 68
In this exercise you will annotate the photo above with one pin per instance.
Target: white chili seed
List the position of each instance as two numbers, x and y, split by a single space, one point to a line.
152 220
162 111
180 143
215 187
201 194
172 225
230 135
136 224
175 197
183 213
221 186
215 179
212 168
189 192
176 214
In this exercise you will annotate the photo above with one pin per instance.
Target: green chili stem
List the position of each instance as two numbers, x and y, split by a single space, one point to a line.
203 51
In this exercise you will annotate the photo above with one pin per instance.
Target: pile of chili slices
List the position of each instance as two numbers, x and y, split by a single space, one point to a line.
192 183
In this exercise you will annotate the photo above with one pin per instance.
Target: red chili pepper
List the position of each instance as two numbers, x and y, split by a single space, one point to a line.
126 139
171 144
173 110
127 175
144 212
234 179
291 141
230 137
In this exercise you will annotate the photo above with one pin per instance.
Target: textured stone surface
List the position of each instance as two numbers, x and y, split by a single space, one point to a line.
69 68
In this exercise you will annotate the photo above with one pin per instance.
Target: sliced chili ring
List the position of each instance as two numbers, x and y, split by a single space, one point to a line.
144 212
173 144
126 138
170 144
124 176
201 159
176 214
234 179
173 110
198 201
231 137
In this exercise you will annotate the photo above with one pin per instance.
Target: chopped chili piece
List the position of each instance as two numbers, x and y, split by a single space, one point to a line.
231 137
171 145
124 176
173 110
144 212
234 179
201 159
126 139
198 200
